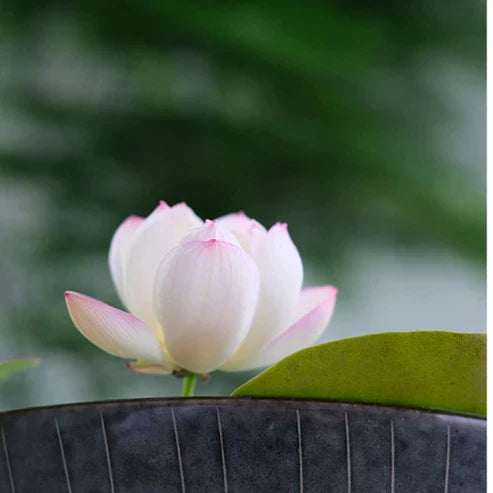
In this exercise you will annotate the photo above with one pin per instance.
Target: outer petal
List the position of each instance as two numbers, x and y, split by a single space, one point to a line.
248 232
312 298
148 368
114 331
205 297
118 249
281 276
155 237
316 306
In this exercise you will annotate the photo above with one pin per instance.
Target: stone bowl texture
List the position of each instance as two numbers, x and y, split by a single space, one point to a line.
239 445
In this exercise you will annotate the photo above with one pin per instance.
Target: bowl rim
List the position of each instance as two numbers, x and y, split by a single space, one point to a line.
234 401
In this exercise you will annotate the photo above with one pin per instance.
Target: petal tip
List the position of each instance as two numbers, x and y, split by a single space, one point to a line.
133 218
281 226
326 290
74 294
211 224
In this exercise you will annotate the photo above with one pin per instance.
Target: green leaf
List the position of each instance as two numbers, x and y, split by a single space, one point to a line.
432 370
9 368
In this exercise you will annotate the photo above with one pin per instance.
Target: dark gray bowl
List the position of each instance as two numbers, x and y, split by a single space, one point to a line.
239 445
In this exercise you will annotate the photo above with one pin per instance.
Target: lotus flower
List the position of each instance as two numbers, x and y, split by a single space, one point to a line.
224 294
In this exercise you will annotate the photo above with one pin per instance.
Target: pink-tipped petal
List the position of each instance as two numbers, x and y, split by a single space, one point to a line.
281 276
317 306
247 231
311 298
236 221
117 332
155 237
205 297
149 368
184 219
118 250
210 230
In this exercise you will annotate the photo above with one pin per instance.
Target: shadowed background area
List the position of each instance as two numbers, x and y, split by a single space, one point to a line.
363 128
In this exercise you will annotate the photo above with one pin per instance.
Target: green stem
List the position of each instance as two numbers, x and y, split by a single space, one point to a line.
188 386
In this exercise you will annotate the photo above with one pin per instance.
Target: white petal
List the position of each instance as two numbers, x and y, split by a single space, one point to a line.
118 249
317 306
313 297
154 238
210 230
247 231
184 219
281 276
205 297
114 331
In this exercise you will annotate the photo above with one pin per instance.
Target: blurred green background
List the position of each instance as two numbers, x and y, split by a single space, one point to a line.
360 124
